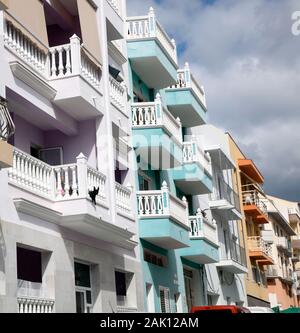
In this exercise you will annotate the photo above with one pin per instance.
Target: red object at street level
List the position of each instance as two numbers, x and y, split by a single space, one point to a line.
220 309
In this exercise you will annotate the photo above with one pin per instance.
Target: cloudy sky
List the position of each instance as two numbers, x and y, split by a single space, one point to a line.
245 55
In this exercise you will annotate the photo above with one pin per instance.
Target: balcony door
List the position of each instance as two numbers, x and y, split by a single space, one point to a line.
83 288
189 292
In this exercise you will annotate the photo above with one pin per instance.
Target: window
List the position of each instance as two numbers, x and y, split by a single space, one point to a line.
144 182
29 265
83 288
164 295
125 289
155 259
121 284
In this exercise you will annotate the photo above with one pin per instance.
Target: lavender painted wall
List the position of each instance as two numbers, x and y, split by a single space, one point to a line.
84 142
27 134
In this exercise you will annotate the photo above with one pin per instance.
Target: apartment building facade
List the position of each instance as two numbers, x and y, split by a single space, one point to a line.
187 207
255 216
68 223
280 276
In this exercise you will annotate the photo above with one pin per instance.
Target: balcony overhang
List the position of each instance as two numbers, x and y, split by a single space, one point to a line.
79 216
183 104
192 179
249 168
156 148
261 258
296 242
164 232
256 214
232 266
151 64
75 94
6 155
219 157
201 251
225 208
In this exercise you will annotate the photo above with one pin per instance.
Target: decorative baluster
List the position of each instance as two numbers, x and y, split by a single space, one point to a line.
140 205
53 63
21 306
134 116
159 205
147 205
15 166
22 175
59 188
153 204
74 180
60 62
26 171
67 184
68 59
147 116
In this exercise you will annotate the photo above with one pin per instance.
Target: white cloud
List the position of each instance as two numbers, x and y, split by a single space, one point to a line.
245 55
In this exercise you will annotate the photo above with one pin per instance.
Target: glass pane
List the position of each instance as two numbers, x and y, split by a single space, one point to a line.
120 283
80 306
88 297
82 275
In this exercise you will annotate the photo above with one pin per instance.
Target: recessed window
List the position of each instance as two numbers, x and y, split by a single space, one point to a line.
29 265
125 289
155 259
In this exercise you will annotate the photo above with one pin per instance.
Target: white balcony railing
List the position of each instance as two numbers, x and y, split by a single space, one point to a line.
123 198
253 198
257 244
35 305
118 94
185 80
116 5
145 27
154 115
33 297
162 204
72 59
268 236
56 183
192 153
56 62
202 228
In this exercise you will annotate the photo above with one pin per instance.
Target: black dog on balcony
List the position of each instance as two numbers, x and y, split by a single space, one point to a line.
93 194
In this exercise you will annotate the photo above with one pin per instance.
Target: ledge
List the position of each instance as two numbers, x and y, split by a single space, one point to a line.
32 80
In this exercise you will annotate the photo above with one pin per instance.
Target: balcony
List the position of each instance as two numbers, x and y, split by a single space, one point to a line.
254 206
194 176
284 244
272 272
296 242
62 194
157 132
260 251
163 218
187 98
68 75
233 258
34 298
203 241
152 53
294 215
225 201
7 129
118 95
268 236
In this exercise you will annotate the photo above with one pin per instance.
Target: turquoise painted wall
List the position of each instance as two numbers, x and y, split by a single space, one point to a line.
172 276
